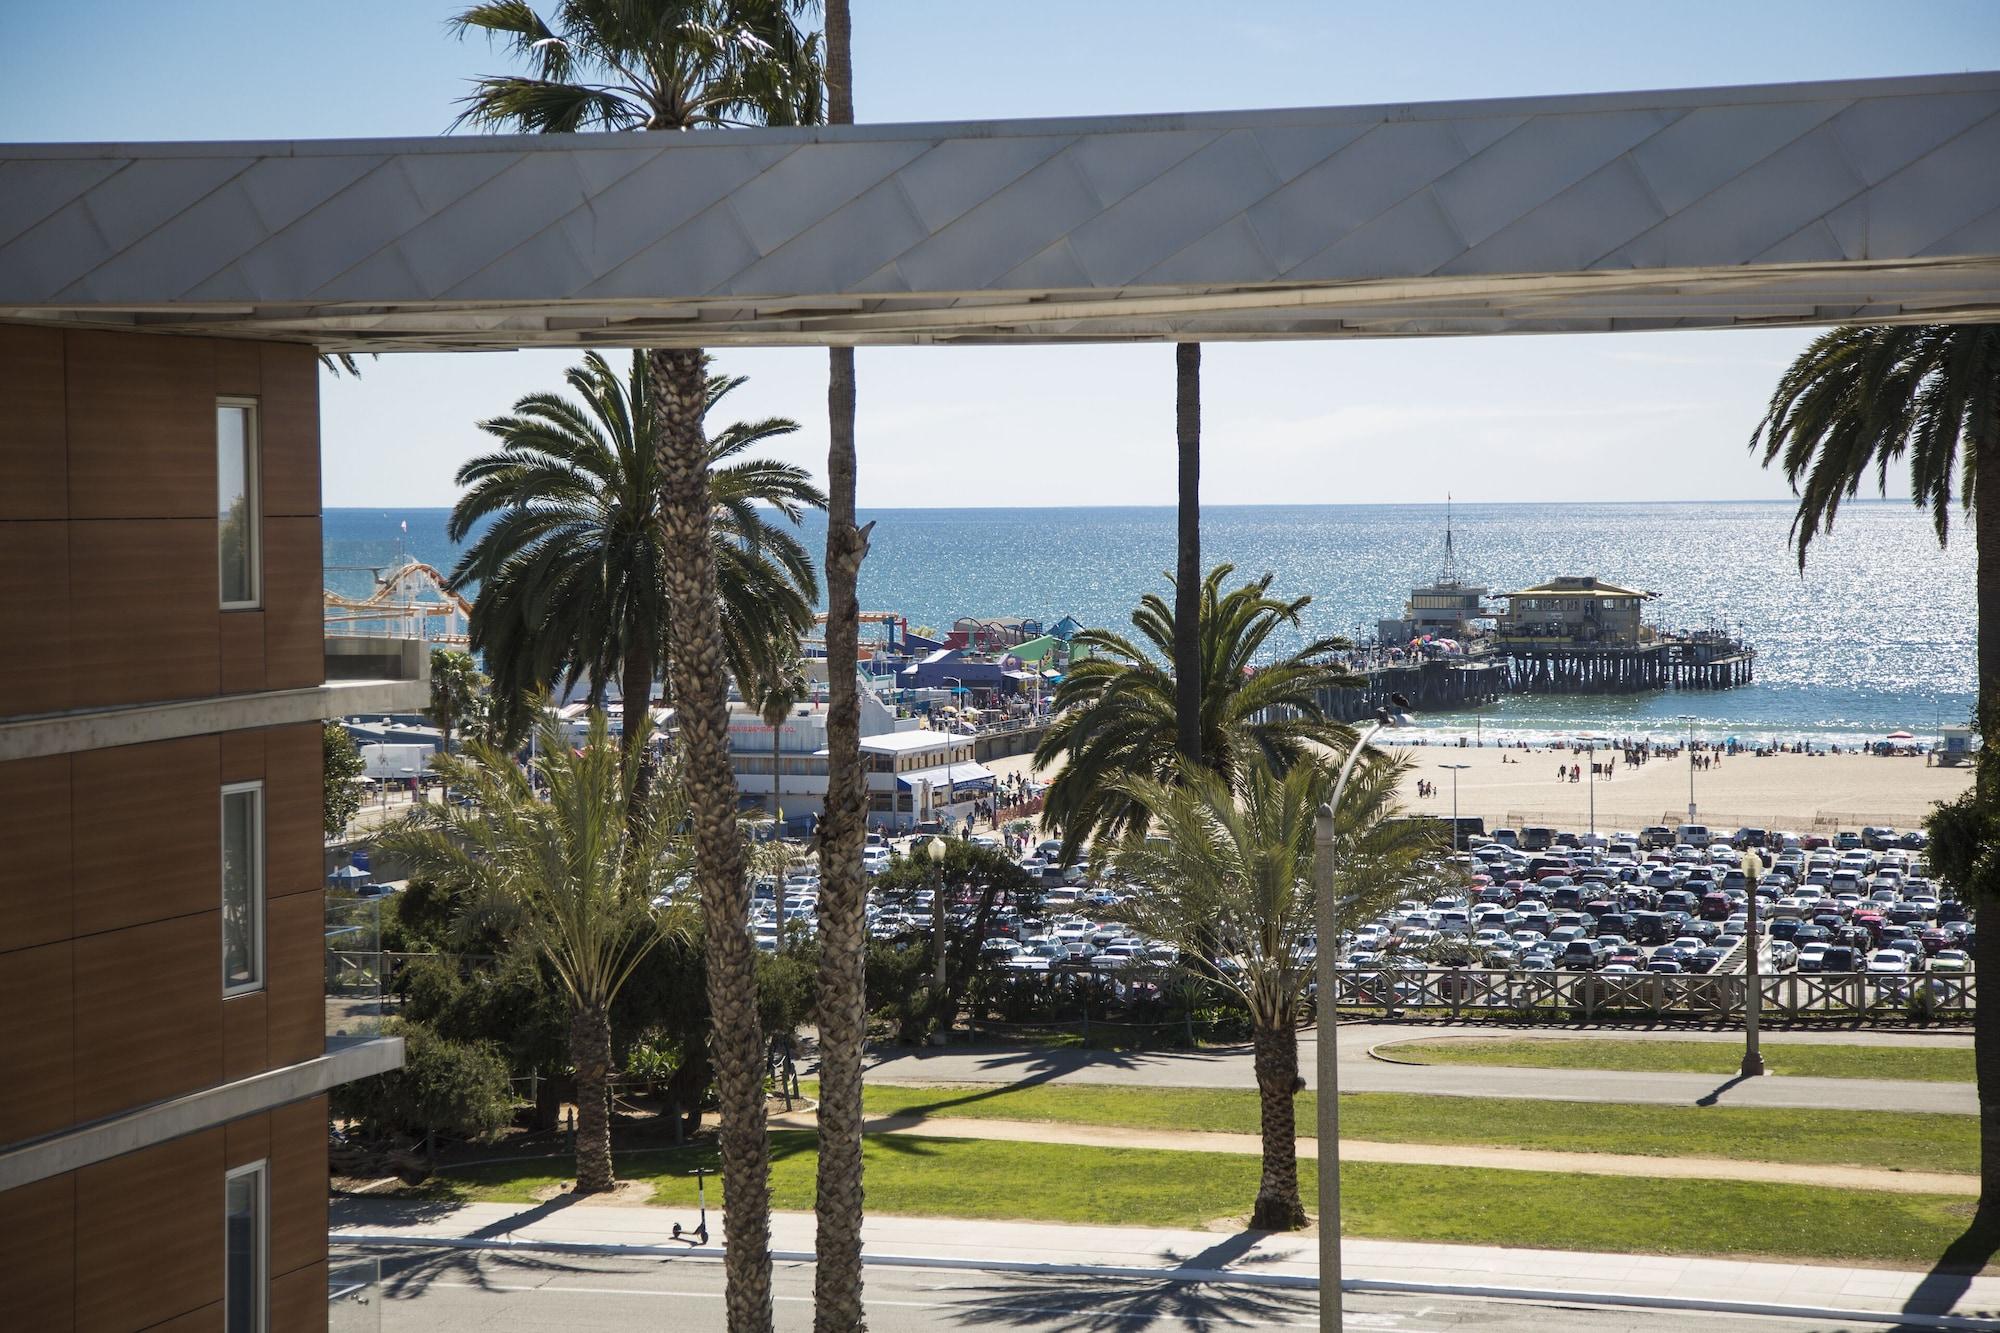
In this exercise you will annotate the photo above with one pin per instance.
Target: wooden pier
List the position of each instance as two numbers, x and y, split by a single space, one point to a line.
1519 667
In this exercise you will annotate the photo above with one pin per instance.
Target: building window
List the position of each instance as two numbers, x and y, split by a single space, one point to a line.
239 550
246 1245
242 888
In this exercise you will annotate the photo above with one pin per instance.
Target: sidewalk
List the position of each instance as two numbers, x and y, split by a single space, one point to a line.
1209 1255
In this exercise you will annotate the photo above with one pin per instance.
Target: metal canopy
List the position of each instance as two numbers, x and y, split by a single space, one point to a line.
1791 204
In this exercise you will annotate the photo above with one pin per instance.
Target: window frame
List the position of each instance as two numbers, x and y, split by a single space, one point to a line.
257 837
260 1320
253 496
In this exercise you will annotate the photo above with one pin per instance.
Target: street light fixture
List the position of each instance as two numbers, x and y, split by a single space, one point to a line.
1454 770
934 850
1325 927
1753 997
1689 719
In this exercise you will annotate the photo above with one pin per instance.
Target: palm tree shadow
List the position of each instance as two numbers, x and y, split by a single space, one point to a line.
1029 1067
1951 1276
406 1274
1073 1304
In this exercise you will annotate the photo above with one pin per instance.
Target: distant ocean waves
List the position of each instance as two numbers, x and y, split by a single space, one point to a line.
1875 636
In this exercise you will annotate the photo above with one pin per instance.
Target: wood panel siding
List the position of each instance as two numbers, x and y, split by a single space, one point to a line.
35 833
34 438
295 813
148 1013
143 611
295 971
149 845
38 1263
37 1042
141 416
35 671
294 604
149 1234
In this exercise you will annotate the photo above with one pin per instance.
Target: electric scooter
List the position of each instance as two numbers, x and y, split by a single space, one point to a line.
699 1233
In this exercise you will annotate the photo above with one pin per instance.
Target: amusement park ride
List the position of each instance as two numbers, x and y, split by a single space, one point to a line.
410 601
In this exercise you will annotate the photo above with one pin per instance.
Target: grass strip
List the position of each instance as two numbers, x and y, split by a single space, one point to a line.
989 1179
1886 1140
1805 1060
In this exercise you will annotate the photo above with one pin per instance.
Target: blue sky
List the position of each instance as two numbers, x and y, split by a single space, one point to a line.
1624 417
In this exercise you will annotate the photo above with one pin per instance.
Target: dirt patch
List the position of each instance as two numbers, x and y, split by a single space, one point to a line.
624 1194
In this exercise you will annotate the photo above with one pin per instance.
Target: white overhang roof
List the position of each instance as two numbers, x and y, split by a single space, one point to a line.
1789 204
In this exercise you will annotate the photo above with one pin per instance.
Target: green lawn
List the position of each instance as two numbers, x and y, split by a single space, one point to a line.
1144 1187
1815 1060
1891 1140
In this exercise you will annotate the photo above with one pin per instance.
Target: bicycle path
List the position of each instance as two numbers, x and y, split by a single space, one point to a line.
1231 1067
1415 1154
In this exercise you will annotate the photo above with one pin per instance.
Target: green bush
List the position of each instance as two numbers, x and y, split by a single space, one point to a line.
787 987
458 1089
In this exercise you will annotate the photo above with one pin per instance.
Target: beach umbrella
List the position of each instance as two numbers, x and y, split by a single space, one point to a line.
347 875
1900 736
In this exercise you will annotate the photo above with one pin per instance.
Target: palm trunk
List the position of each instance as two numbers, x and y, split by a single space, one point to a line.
637 687
777 835
677 381
1187 561
590 1053
843 1002
1986 939
1278 1207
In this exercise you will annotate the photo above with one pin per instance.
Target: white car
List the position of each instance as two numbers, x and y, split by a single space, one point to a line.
1887 962
1950 960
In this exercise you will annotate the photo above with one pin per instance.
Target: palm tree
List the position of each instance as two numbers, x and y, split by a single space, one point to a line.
569 572
576 880
1851 406
1228 880
843 943
1187 655
456 682
779 691
1118 709
683 65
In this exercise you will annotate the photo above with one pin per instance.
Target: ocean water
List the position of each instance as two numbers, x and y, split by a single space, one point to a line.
1876 633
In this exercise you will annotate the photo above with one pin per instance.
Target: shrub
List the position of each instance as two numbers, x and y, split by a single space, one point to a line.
455 1088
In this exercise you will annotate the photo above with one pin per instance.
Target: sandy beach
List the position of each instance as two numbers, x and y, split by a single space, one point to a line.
1784 791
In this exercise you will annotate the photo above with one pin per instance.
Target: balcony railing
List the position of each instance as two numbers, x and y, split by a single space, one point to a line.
353 966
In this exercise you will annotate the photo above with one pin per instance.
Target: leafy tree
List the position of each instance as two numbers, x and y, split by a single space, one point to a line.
1848 410
444 1087
1227 878
570 572
1117 711
578 878
341 763
973 875
684 65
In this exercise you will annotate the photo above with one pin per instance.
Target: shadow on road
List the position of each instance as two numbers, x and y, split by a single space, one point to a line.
1076 1304
1710 1099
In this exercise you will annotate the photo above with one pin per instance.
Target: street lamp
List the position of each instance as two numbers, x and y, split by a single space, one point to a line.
1325 927
1689 719
935 851
1590 741
1753 999
1454 770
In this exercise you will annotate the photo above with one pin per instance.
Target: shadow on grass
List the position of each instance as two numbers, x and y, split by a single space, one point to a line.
1951 1276
1075 1304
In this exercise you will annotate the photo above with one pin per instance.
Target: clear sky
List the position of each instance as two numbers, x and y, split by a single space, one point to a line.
1616 417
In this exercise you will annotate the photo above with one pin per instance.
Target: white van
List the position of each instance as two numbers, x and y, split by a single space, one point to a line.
1696 835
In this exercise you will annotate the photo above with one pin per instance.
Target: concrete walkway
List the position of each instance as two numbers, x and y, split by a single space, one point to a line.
1242 1255
1230 1067
1420 1154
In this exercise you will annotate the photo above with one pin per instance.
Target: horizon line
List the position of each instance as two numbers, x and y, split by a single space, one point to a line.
1250 504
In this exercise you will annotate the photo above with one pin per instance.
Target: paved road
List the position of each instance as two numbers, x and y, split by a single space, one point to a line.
455 1292
1231 1068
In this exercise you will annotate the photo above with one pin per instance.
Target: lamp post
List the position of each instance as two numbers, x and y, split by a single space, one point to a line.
1753 997
1326 923
1454 770
1689 719
934 849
